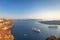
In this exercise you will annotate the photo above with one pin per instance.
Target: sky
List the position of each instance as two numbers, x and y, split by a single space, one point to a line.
30 9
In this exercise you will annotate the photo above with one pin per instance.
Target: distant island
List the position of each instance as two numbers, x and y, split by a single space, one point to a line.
53 22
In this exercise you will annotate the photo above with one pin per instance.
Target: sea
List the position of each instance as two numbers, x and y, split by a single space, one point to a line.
22 30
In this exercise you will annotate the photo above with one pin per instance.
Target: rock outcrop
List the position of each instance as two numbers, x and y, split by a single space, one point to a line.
5 32
52 38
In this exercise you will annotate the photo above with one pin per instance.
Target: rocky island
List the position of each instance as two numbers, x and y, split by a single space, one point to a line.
5 32
53 22
52 38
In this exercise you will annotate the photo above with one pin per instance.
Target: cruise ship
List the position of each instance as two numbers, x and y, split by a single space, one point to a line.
36 30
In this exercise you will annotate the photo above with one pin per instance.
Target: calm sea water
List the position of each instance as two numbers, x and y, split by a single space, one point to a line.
22 30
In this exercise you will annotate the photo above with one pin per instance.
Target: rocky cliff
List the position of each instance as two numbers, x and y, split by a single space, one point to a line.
5 32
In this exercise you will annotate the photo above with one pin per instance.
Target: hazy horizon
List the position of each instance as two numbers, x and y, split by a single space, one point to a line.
30 9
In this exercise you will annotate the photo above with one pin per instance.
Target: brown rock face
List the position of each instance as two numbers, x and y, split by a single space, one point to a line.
5 32
51 38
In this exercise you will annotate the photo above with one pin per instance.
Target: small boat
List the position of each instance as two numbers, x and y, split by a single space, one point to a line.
25 34
36 30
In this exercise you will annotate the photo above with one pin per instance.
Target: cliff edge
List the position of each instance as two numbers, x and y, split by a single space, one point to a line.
5 32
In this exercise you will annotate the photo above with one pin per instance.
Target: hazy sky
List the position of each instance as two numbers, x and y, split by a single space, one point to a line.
31 9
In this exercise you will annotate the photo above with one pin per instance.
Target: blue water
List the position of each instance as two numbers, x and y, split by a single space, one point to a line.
22 30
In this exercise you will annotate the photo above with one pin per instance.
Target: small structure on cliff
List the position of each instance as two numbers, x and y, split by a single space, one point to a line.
5 32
